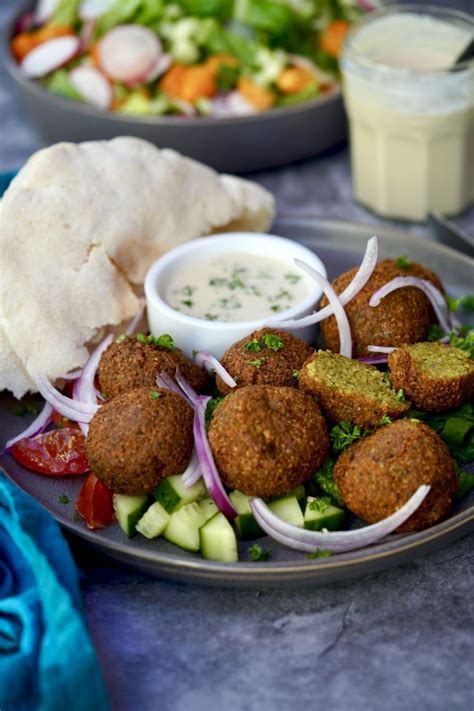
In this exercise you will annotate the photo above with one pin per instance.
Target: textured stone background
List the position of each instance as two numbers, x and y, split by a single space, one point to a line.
399 640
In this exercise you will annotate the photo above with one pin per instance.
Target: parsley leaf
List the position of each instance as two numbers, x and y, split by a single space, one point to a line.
402 262
253 345
227 77
63 499
344 434
163 341
257 552
463 303
121 338
324 478
296 374
318 553
319 504
154 394
435 332
258 362
211 406
26 410
188 302
465 343
273 342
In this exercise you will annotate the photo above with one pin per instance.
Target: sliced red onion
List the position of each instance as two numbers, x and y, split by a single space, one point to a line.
73 375
165 381
78 411
186 388
127 53
345 338
92 85
380 349
363 275
334 541
434 295
38 425
136 319
84 389
50 55
211 363
373 360
25 23
206 461
192 474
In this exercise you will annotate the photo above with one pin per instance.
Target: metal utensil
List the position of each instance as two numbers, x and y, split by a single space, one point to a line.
446 232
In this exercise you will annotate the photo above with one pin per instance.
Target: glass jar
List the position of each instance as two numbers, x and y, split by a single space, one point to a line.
411 113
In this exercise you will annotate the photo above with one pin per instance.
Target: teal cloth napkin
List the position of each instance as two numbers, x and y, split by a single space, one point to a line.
47 661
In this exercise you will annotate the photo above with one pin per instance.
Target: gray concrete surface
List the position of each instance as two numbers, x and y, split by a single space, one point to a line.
401 640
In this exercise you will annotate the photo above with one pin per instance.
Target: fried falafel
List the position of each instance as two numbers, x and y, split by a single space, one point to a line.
404 316
132 362
139 438
379 473
265 357
349 390
435 377
266 440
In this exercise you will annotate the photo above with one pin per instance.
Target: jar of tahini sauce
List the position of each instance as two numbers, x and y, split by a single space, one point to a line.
411 114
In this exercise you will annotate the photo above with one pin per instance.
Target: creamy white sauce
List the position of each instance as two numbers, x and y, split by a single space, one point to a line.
236 287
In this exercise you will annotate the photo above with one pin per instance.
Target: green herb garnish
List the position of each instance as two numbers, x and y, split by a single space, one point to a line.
63 499
435 332
402 262
253 345
296 374
275 307
345 434
236 283
456 429
210 317
257 552
211 406
227 77
463 303
274 343
26 410
324 478
188 302
318 553
319 504
401 395
121 338
154 394
293 278
217 281
465 479
76 516
465 343
258 362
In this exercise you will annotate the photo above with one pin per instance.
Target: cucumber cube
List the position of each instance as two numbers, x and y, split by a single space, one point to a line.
129 510
218 541
154 521
173 495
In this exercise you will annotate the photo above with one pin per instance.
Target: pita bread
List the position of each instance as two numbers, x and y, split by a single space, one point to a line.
80 225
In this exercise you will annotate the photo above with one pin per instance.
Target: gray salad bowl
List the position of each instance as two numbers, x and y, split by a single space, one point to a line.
234 145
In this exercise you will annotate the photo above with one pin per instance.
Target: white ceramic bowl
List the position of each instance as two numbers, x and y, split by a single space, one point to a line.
191 333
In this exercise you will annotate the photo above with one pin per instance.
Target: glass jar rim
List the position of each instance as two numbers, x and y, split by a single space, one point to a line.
446 13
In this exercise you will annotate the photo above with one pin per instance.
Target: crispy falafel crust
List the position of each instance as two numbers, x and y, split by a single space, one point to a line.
135 441
435 377
404 316
132 364
266 440
349 390
379 473
277 368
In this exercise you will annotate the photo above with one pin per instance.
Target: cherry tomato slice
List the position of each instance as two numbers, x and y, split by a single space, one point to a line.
60 421
57 453
94 503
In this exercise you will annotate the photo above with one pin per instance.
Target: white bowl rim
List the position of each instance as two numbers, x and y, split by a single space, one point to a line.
163 262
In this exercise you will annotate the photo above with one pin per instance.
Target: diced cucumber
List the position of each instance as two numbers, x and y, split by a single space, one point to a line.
154 521
184 524
288 509
208 507
329 516
218 541
245 522
129 510
173 495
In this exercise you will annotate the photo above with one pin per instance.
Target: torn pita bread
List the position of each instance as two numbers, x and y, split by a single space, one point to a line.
80 225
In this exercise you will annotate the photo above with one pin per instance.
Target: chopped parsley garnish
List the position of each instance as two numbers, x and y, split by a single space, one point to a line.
187 290
465 343
463 303
296 374
257 552
284 294
211 406
63 499
253 345
293 278
217 281
154 394
195 352
275 307
163 341
318 553
435 332
401 395
344 434
324 478
385 420
236 283
210 317
319 504
403 262
76 516
258 362
188 302
274 343
121 338
466 481
26 410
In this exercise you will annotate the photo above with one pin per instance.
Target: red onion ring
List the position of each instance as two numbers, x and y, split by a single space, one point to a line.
345 338
78 411
84 389
334 541
192 473
211 363
373 360
188 391
165 381
361 278
38 425
434 295
381 349
209 471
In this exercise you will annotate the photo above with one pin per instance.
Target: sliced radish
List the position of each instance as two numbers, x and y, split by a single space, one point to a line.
50 55
163 63
128 53
231 104
92 85
92 9
44 10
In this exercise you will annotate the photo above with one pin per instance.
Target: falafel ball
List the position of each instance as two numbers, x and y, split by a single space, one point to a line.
378 474
139 438
349 390
404 316
435 377
265 357
266 440
129 363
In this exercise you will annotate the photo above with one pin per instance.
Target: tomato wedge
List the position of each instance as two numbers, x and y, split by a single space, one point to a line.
57 453
94 503
60 421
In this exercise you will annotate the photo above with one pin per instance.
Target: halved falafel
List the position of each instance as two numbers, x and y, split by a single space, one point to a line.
435 377
265 357
404 316
131 363
266 440
379 473
349 390
139 438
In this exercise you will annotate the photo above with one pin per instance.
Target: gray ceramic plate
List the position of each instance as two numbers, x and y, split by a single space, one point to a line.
235 145
340 245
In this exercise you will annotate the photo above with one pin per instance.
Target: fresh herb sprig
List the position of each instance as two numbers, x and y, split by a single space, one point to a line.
258 552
